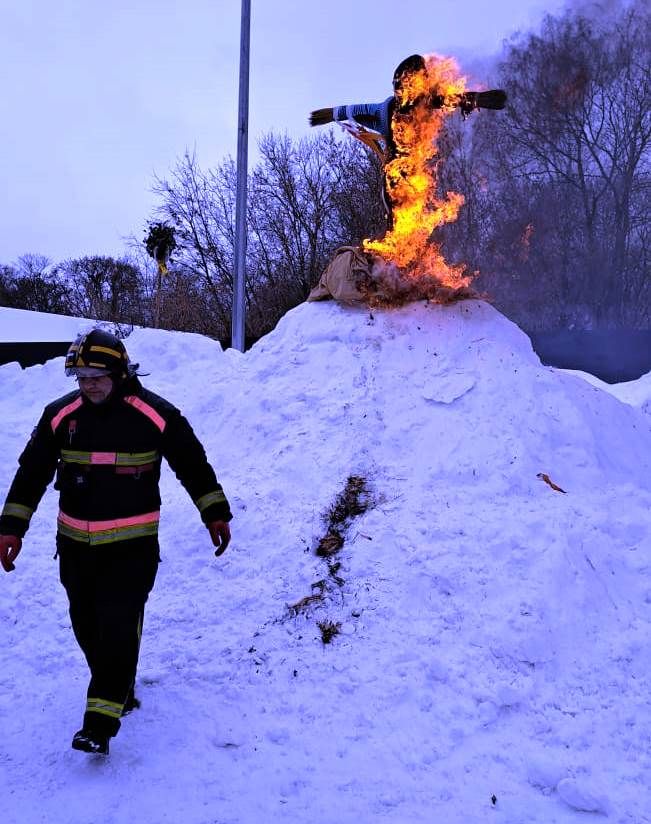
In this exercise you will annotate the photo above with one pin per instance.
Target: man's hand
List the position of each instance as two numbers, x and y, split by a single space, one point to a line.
220 533
9 548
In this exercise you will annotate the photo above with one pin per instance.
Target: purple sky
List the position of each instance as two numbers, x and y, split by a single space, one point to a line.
97 97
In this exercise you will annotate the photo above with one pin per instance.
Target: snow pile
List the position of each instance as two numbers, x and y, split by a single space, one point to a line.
636 393
492 656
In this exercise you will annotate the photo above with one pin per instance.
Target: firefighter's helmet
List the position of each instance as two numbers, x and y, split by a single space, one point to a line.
99 353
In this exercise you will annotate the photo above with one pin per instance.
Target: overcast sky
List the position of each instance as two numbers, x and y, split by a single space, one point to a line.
97 97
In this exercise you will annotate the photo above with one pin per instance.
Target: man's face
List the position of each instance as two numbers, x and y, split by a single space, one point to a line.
96 389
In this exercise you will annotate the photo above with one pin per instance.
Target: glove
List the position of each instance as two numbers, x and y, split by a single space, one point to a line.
220 534
9 548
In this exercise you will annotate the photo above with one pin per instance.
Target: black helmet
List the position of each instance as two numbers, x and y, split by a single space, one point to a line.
99 353
410 65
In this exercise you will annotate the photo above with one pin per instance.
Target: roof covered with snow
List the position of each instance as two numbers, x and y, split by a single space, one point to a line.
23 326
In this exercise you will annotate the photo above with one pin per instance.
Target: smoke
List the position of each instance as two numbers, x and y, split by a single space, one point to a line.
387 285
603 12
480 70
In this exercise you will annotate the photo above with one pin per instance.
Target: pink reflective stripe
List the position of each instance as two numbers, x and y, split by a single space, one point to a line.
103 457
147 410
56 420
100 526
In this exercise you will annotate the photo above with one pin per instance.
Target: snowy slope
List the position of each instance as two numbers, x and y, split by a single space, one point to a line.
494 631
636 393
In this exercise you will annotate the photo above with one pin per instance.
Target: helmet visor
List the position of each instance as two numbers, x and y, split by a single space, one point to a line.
87 372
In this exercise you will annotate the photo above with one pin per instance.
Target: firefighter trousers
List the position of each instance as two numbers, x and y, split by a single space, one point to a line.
107 588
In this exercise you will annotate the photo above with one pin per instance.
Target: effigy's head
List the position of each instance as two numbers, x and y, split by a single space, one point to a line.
409 66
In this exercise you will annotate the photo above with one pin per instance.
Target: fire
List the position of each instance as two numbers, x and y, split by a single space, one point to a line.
411 177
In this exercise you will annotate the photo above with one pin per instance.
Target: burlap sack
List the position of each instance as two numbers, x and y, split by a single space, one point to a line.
342 277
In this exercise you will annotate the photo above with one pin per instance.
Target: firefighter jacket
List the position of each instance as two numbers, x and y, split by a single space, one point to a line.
107 460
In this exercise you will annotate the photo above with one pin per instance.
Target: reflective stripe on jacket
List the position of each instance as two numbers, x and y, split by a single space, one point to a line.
107 461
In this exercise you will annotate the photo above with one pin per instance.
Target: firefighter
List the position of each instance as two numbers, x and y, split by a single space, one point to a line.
105 442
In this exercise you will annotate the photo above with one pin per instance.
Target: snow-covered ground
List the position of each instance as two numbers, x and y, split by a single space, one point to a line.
636 393
493 662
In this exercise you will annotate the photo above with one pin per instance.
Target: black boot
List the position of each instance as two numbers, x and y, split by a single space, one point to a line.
93 741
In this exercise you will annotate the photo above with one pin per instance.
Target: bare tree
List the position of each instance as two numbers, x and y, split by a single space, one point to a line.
557 190
103 288
302 196
201 207
31 283
305 199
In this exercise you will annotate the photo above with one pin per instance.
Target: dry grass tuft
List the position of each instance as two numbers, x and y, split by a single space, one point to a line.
330 544
353 501
328 630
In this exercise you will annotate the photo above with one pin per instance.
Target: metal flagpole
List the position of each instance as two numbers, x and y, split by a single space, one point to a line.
239 284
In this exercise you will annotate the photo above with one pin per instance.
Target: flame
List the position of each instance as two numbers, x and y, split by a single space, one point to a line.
411 177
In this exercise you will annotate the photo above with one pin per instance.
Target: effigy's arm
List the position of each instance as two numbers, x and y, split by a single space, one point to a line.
368 122
470 101
373 116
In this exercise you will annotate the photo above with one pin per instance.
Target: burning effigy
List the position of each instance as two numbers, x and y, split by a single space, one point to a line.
408 263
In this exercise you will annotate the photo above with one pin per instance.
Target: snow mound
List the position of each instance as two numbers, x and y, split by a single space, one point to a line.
636 393
493 654
579 797
452 384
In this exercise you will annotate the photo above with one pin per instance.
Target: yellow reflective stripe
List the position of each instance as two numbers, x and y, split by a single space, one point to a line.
71 456
110 708
121 458
136 458
124 534
106 350
18 511
205 501
108 536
